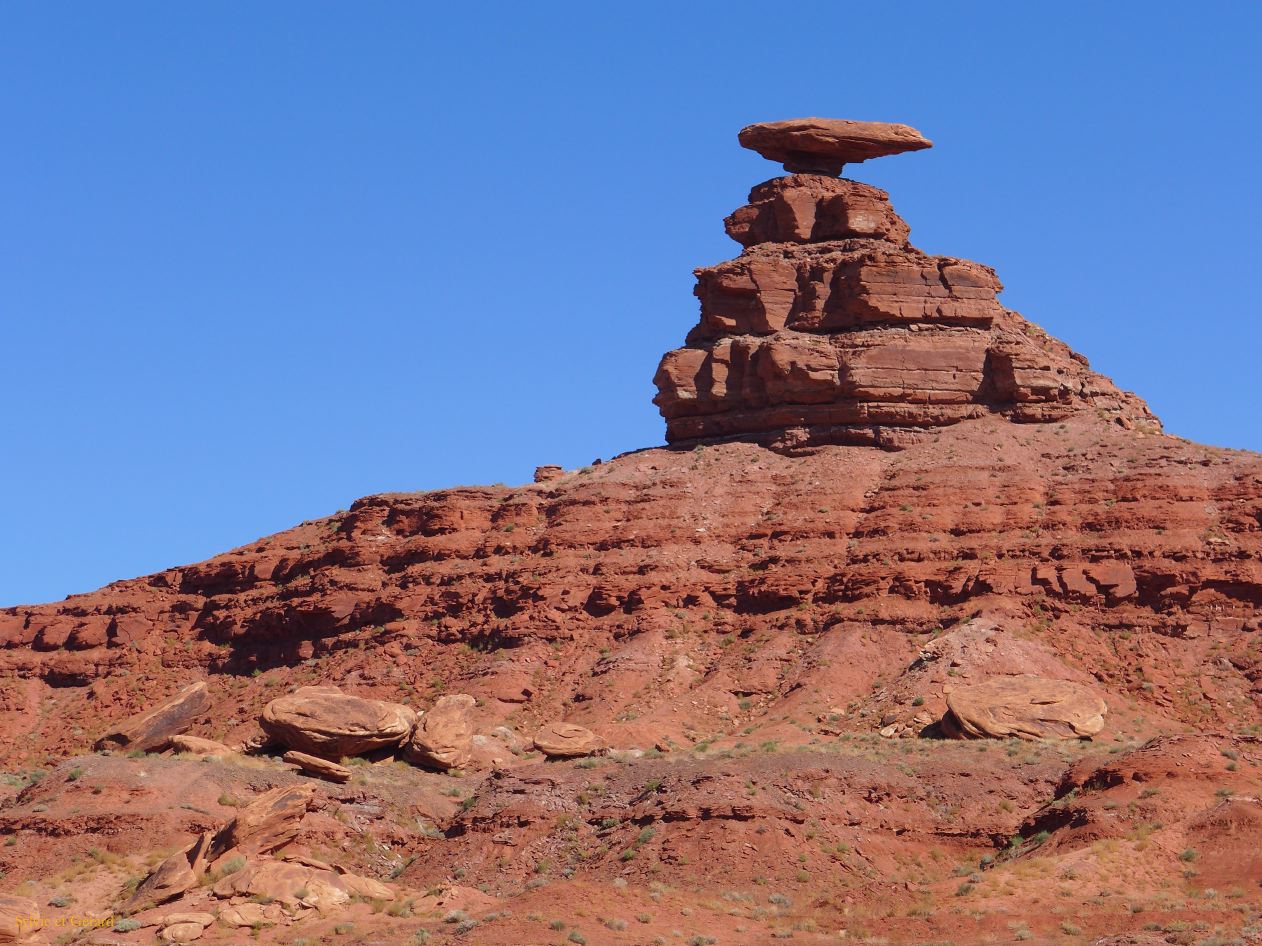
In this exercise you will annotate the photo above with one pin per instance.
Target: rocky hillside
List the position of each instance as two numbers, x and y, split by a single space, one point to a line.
918 630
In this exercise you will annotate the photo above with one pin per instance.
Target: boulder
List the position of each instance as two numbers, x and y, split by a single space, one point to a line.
242 914
269 822
324 721
195 745
294 885
825 145
321 768
443 738
152 731
173 877
184 932
567 741
204 919
1024 706
19 918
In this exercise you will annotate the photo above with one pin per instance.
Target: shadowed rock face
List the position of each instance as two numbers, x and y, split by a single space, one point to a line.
831 328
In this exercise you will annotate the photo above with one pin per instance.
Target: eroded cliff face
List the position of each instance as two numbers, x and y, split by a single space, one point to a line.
610 594
830 327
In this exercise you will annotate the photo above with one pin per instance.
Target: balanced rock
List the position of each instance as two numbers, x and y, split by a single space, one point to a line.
567 741
324 721
321 768
153 729
831 328
443 739
825 145
1024 706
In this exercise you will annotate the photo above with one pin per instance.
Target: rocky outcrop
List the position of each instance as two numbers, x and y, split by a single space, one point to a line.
443 739
831 328
324 721
567 741
184 927
19 918
1024 706
153 730
266 824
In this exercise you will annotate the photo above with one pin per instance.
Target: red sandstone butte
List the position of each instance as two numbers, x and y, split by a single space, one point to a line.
886 500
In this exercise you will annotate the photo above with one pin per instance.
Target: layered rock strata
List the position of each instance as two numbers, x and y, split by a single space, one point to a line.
830 327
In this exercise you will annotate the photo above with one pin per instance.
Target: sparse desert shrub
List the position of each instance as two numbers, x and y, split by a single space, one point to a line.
232 865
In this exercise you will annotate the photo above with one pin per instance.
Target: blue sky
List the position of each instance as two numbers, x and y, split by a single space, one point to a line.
258 260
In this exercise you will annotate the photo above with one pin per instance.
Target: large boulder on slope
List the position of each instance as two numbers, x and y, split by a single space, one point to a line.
152 730
443 739
324 721
1024 706
567 741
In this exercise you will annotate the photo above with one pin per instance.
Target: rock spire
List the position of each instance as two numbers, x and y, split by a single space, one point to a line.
830 327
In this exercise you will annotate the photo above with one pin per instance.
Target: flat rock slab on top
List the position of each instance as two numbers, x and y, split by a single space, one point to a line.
825 145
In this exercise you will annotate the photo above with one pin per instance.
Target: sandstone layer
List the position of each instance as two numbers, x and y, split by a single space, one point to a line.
831 328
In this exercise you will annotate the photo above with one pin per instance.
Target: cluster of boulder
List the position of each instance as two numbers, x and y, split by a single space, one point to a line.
318 726
249 883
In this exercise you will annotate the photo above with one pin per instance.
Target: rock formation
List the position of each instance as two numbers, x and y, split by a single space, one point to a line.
830 327
743 624
153 729
443 738
1024 706
321 768
19 918
567 741
324 721
826 145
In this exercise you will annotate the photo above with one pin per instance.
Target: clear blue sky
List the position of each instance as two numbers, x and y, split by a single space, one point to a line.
257 260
